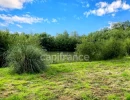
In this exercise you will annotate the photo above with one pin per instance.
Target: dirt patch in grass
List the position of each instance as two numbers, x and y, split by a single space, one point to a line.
65 98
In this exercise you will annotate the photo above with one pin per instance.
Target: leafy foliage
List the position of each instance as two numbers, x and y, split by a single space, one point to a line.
113 49
107 43
4 42
61 42
127 46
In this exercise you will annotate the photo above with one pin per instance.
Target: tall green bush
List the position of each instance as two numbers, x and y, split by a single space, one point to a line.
127 45
4 43
24 55
103 49
113 49
90 48
24 58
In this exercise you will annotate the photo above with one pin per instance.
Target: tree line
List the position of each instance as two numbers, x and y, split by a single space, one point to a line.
60 42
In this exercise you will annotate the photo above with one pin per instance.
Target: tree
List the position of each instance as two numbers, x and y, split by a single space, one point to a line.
47 41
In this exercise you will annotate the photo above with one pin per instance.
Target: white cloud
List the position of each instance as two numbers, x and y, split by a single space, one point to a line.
54 20
24 19
19 26
125 6
105 8
101 4
13 4
27 19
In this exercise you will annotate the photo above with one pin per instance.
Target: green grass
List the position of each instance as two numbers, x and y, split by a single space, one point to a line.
99 80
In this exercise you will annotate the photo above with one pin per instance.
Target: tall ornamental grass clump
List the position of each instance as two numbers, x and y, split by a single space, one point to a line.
24 56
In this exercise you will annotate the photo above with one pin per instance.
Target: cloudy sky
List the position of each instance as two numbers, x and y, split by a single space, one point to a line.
55 16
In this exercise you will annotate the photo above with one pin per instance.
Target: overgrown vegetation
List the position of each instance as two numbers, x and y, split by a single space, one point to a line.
107 43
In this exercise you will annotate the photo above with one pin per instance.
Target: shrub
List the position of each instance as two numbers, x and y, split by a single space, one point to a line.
127 46
24 58
103 50
4 42
90 48
86 49
113 49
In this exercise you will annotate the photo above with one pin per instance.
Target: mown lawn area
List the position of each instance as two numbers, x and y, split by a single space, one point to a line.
99 80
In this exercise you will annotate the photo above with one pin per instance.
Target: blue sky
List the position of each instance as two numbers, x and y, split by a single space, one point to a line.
56 16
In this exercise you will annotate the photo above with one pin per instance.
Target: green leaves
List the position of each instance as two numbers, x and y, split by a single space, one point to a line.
107 43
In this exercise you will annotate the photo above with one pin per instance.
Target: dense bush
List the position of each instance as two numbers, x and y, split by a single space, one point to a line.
4 42
25 58
113 49
127 46
91 49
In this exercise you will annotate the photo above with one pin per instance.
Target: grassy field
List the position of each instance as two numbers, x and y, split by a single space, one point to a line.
99 80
